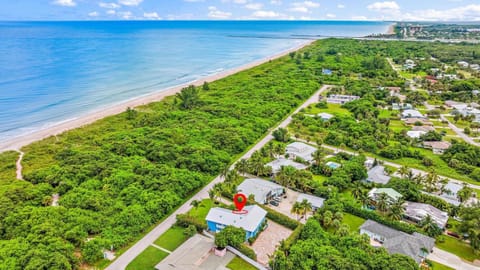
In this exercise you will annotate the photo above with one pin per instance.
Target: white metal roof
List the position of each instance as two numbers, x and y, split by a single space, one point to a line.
248 221
258 187
279 163
315 201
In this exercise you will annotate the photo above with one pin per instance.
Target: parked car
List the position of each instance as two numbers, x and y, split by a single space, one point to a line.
274 203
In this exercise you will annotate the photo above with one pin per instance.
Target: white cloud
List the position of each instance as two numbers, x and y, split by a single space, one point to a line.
93 14
108 5
130 2
254 6
125 15
387 6
275 2
214 13
331 15
111 12
151 15
340 6
463 13
64 3
359 18
265 14
303 7
235 1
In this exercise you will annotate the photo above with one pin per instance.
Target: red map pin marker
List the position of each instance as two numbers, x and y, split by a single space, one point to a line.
240 200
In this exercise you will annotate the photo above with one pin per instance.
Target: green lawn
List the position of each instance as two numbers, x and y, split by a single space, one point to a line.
172 238
457 247
147 260
238 264
320 178
439 266
397 125
202 210
387 114
353 221
335 109
460 123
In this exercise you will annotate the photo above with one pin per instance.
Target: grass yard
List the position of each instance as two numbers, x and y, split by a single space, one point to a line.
147 260
439 266
334 109
397 125
459 248
460 123
238 264
172 238
353 221
448 131
387 114
320 178
201 211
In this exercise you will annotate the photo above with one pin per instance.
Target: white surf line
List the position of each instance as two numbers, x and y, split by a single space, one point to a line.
162 249
19 165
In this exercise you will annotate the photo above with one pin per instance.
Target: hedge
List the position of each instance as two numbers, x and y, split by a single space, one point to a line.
280 218
404 227
247 251
293 237
185 220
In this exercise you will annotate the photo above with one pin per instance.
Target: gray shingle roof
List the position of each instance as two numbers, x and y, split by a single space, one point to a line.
302 150
400 242
377 175
315 201
418 211
259 188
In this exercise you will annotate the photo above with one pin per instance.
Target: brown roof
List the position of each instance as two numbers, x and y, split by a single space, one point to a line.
437 145
423 128
412 121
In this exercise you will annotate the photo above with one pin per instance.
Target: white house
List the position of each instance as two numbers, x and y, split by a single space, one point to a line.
415 134
438 148
411 114
463 64
301 150
392 194
325 116
283 162
262 190
315 201
341 99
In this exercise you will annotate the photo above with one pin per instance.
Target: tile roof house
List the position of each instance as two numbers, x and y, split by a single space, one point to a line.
416 212
315 201
377 175
277 164
391 193
262 190
414 121
252 222
416 245
437 147
423 128
301 150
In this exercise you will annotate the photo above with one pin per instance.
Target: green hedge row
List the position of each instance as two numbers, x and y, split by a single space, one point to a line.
247 251
184 220
293 237
280 218
366 214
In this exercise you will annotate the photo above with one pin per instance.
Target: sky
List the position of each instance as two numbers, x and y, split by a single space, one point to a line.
401 10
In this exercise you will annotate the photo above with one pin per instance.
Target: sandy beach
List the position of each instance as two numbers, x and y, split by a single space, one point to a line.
23 140
391 29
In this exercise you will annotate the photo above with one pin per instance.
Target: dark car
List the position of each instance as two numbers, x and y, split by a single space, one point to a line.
274 203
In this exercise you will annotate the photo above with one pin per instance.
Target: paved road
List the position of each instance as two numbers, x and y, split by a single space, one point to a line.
123 260
450 260
459 132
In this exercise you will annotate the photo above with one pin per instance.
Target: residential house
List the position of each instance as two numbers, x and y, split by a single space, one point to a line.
417 121
415 134
300 150
325 116
377 175
438 148
416 212
409 64
392 194
417 246
341 99
475 67
401 106
251 221
277 164
463 64
450 193
470 111
326 71
315 201
262 190
369 163
411 114
423 128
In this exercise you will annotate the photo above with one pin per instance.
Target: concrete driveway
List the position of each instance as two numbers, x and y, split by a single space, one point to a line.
450 260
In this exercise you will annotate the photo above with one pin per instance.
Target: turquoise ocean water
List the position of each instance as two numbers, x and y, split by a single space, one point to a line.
54 71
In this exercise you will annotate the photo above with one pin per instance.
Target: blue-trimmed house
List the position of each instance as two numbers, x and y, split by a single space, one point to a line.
252 221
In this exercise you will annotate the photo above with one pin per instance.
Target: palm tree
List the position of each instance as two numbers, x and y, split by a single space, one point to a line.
431 181
365 199
357 190
296 209
465 193
382 202
403 171
318 156
430 227
195 203
242 166
327 219
395 211
286 175
188 97
306 207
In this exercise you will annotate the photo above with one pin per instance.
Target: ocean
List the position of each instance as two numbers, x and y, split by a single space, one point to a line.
51 72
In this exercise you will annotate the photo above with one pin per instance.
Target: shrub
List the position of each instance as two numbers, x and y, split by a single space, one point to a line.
247 251
292 238
185 220
280 218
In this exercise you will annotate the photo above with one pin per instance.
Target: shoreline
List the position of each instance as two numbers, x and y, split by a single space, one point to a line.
16 143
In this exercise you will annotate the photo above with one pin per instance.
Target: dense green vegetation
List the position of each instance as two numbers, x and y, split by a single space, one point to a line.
318 249
122 174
